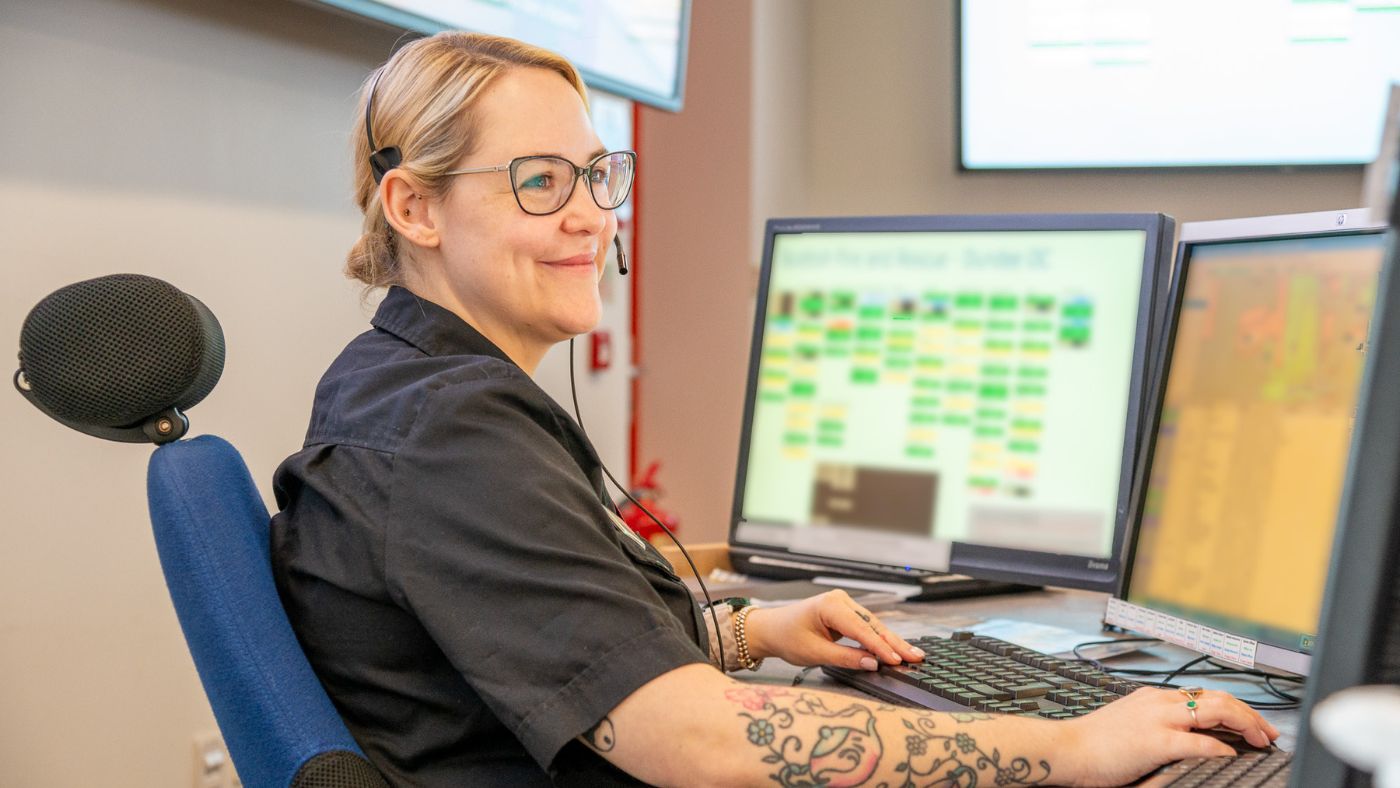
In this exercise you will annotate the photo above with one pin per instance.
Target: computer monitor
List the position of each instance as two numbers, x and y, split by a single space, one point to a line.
1246 450
948 393
1359 637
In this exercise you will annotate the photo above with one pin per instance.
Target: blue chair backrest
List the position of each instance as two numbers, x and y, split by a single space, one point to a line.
211 531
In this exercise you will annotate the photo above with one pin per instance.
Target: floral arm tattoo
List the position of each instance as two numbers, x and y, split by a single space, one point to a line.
808 744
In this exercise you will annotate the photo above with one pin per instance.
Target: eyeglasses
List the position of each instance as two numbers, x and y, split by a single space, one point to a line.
544 184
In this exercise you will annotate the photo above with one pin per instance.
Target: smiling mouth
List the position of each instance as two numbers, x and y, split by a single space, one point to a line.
571 262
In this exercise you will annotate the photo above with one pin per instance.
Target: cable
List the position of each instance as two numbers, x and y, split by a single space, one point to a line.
1097 664
709 602
1275 691
1167 682
1286 700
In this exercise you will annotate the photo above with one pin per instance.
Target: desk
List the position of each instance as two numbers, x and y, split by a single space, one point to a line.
1080 611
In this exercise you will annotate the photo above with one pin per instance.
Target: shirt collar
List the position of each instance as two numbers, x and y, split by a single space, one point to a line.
431 328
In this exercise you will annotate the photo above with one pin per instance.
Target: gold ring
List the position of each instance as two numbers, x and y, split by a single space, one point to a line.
1192 693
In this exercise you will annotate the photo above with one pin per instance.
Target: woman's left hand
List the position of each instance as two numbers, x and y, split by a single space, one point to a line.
804 633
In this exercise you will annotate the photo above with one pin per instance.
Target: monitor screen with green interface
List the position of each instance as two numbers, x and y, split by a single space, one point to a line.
950 393
1244 476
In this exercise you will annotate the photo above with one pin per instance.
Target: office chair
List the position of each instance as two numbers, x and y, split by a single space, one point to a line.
211 532
122 357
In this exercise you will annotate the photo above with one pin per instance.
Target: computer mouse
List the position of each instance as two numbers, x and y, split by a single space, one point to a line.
1235 739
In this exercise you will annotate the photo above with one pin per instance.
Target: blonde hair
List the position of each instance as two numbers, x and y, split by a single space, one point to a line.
423 103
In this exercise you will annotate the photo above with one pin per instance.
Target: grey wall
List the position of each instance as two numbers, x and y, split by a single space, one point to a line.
205 143
839 108
883 83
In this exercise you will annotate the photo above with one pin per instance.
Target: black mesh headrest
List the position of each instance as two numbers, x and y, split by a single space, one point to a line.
120 357
338 769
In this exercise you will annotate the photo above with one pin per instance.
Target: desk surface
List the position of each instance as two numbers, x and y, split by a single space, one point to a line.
1080 611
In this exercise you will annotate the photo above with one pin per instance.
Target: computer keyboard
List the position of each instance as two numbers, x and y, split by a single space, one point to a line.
986 674
970 672
1250 769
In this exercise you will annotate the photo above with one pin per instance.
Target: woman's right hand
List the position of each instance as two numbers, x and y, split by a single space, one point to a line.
1151 727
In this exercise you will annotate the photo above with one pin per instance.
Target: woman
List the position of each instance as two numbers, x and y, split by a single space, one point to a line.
445 549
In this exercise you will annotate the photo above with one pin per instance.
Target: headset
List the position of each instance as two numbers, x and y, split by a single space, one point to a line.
381 160
709 601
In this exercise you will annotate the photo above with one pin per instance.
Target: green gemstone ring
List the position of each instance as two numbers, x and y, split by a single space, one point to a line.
1191 694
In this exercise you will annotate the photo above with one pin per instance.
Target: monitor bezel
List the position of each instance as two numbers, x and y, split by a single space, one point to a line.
672 101
1367 545
1138 167
981 561
1318 224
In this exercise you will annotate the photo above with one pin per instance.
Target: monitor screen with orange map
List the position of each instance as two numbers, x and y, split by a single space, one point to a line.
1244 476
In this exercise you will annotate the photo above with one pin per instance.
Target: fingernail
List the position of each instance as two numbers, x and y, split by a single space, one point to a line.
869 663
918 652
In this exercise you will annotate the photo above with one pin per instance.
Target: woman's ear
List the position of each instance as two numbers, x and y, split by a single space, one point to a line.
406 210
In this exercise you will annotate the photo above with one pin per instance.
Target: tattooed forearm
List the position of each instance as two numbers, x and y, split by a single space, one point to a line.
958 760
807 743
601 737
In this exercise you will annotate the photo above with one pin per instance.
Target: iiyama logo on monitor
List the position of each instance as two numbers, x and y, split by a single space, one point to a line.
1101 566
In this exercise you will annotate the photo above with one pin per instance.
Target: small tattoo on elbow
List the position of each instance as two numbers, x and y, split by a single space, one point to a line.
601 737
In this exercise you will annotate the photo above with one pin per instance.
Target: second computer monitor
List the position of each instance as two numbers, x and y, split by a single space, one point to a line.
950 393
1244 468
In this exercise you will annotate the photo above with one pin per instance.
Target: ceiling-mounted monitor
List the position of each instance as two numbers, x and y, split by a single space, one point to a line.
633 48
1062 84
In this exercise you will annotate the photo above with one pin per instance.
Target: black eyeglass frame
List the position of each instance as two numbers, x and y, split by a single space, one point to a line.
579 172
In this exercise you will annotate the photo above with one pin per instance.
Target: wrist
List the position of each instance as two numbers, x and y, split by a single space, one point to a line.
1066 740
753 629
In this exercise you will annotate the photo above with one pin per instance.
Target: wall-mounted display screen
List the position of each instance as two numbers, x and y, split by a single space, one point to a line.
634 48
1047 84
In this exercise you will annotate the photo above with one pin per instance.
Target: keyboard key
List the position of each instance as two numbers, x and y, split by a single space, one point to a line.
989 691
1030 690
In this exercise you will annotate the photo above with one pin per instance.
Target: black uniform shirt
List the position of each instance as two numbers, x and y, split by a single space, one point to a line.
447 561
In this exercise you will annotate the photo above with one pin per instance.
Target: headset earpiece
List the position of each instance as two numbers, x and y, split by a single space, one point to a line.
381 160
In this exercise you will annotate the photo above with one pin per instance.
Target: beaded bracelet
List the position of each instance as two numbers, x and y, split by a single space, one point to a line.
742 640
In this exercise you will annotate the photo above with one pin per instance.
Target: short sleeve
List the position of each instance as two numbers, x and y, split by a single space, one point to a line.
502 549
